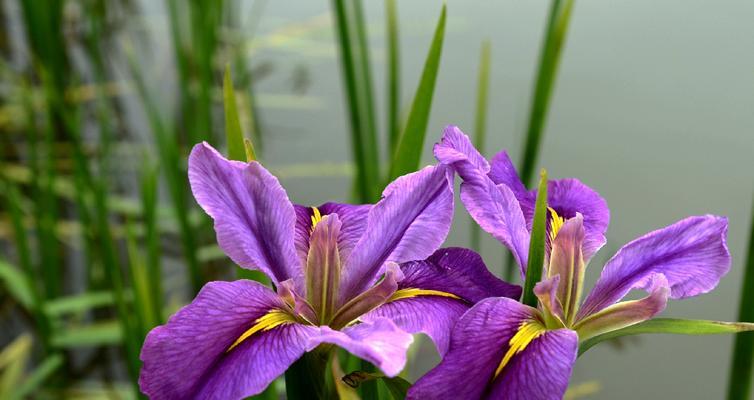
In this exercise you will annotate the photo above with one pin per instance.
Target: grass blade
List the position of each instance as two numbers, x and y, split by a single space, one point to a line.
149 179
233 133
537 244
393 75
480 122
557 28
670 325
739 382
38 376
355 64
408 153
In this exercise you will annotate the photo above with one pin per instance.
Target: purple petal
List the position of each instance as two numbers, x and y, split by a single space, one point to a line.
456 271
477 345
254 220
409 223
568 197
541 371
567 261
496 210
369 299
352 217
547 293
323 267
434 316
186 358
503 172
692 254
378 341
626 313
494 207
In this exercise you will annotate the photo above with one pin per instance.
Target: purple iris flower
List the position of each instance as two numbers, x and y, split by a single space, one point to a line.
337 278
520 352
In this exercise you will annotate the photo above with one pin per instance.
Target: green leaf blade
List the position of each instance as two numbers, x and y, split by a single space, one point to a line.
537 244
408 153
233 132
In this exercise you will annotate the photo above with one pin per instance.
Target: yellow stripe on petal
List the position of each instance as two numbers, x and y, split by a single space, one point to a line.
527 332
271 320
555 224
316 217
413 292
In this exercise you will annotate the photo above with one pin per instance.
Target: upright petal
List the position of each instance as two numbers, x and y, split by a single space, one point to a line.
437 291
409 223
352 217
567 262
323 267
254 220
189 357
541 371
502 171
477 346
692 254
569 197
379 341
456 148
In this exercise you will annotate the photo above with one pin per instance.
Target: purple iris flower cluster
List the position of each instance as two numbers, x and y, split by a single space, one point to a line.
366 277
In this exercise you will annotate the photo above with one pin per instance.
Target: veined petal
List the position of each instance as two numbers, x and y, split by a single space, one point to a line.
692 254
626 313
254 220
323 267
435 292
196 354
502 171
541 371
352 217
567 262
456 148
409 223
547 294
370 299
378 341
478 344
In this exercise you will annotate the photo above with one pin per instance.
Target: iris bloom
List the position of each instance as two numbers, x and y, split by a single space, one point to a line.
516 351
336 276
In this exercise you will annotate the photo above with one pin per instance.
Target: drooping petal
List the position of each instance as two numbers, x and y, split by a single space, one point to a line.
692 254
323 267
435 292
254 220
378 341
502 171
567 261
569 197
409 223
352 217
455 148
478 344
541 371
626 313
189 357
496 210
369 299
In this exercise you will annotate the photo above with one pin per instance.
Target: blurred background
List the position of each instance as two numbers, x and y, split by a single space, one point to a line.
100 101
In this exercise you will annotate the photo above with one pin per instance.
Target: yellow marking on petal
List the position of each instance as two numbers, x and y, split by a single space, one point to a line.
316 217
555 224
527 332
271 320
413 292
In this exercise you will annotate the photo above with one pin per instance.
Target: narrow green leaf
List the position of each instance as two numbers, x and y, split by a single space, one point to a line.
149 180
233 132
16 284
79 303
249 148
38 376
393 75
670 325
537 243
13 360
480 124
408 153
739 381
397 386
549 59
95 334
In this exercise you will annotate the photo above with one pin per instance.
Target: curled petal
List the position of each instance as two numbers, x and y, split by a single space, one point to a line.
626 313
254 220
692 254
409 223
378 341
456 149
189 357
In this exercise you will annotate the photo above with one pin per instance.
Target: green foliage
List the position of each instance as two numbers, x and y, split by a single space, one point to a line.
537 243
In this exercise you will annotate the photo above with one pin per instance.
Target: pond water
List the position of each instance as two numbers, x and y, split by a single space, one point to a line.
654 108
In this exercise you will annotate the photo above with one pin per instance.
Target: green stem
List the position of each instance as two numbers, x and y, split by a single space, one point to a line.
305 379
